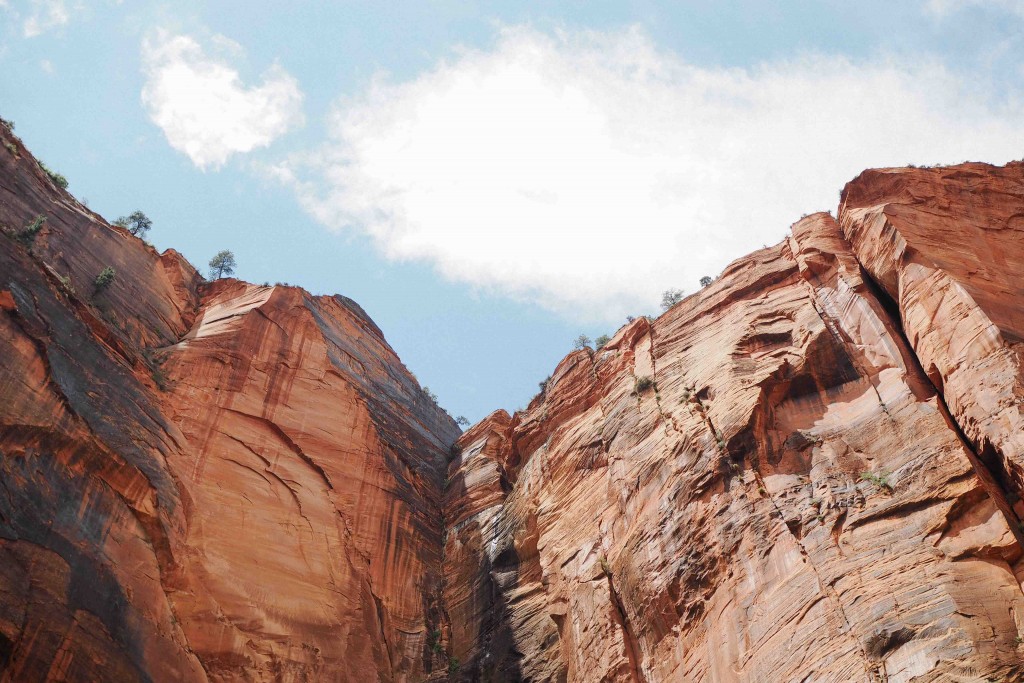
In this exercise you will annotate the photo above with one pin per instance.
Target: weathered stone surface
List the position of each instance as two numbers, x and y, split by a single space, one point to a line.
947 246
312 466
808 471
786 502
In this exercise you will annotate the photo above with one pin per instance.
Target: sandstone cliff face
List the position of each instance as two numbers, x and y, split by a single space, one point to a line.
202 481
790 498
810 470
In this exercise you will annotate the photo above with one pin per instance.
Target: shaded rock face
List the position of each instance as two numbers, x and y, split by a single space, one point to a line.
809 470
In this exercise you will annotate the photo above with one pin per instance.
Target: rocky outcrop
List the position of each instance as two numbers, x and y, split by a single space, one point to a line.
809 470
764 483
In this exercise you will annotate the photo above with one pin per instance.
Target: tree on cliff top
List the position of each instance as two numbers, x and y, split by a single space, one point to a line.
222 264
670 297
582 342
137 223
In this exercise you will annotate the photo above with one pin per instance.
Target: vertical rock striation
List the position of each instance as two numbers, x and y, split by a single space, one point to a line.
202 481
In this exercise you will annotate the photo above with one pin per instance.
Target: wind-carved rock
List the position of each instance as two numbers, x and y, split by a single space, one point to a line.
819 482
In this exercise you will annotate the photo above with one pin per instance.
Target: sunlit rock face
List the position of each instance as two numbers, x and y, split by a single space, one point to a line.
809 470
203 481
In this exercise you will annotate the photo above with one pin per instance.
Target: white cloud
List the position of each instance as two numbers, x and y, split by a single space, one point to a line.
46 15
203 107
944 8
589 172
47 66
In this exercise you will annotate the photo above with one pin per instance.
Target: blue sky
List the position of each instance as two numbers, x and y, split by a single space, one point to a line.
491 179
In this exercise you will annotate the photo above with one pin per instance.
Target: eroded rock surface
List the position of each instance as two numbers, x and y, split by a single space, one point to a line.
202 481
809 470
761 485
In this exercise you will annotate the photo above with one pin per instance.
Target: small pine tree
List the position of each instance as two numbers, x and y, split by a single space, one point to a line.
670 297
222 264
601 341
137 223
462 421
706 280
582 342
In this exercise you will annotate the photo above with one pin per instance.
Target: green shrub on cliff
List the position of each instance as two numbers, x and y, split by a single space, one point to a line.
28 235
104 279
643 384
58 180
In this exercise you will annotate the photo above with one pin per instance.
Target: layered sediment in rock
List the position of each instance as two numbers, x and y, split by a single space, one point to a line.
808 471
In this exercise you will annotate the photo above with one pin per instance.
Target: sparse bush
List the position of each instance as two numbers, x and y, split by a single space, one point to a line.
65 282
582 342
28 235
435 641
57 178
670 297
602 341
223 263
706 280
543 384
462 421
430 394
104 279
7 124
642 384
880 479
137 223
11 148
630 318
453 666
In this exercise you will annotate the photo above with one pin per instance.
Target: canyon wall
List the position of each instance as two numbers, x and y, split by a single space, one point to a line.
809 470
202 481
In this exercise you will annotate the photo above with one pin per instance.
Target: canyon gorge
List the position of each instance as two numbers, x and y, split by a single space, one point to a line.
809 470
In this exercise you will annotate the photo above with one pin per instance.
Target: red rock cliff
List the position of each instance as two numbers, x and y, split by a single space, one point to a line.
808 471
202 481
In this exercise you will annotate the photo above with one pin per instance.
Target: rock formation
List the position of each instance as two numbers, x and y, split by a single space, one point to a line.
202 481
809 470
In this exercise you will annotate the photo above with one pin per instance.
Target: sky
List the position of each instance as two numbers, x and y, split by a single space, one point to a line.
491 179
